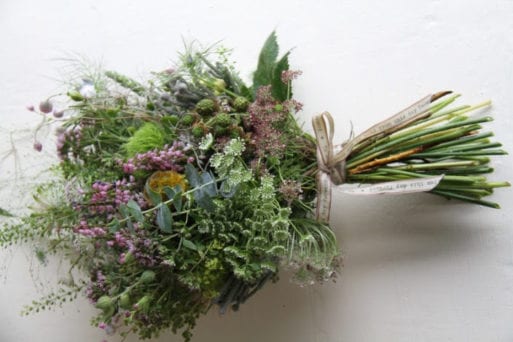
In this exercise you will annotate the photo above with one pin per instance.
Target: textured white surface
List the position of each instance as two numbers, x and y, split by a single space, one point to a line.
417 268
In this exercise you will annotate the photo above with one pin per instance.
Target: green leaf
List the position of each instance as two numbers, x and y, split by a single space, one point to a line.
204 201
209 185
192 175
268 55
135 211
114 225
177 201
174 194
278 88
4 212
123 209
170 192
189 244
164 219
155 197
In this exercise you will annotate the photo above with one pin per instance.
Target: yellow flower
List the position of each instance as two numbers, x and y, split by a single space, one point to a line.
160 179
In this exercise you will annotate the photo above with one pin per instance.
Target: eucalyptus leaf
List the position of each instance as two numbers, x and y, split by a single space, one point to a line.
164 219
208 184
123 209
135 211
170 192
155 197
192 176
204 201
177 201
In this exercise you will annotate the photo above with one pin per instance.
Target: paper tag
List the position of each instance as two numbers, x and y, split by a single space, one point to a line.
397 187
400 118
323 197
409 114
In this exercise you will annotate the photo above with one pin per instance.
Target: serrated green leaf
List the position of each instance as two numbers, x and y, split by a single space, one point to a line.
279 89
266 60
135 211
189 244
4 212
164 219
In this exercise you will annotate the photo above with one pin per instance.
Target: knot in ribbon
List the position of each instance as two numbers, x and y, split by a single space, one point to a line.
331 164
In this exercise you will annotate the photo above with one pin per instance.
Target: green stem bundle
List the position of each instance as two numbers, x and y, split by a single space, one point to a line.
446 142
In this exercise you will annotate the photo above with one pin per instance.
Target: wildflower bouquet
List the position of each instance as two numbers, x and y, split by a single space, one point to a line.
192 190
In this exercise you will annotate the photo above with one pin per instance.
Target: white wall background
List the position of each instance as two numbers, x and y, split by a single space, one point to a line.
417 268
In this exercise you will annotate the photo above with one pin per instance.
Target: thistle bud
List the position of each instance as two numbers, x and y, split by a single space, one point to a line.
45 106
219 85
124 301
205 107
59 114
240 104
105 303
147 277
38 146
143 304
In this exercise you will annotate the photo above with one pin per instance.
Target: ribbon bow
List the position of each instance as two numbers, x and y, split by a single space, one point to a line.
331 164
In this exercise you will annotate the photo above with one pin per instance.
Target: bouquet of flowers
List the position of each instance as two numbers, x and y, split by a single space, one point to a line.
193 189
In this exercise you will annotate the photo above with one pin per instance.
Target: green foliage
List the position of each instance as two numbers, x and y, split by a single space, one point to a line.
146 138
126 82
269 69
215 230
4 212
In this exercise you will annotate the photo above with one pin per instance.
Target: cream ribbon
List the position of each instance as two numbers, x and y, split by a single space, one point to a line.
331 164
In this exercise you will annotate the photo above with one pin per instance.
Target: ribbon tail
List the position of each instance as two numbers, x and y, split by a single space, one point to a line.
323 197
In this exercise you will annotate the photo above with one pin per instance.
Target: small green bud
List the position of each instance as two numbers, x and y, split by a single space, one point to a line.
187 119
105 303
219 85
124 301
223 119
205 107
219 130
143 304
147 277
278 107
75 96
197 131
240 104
170 120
